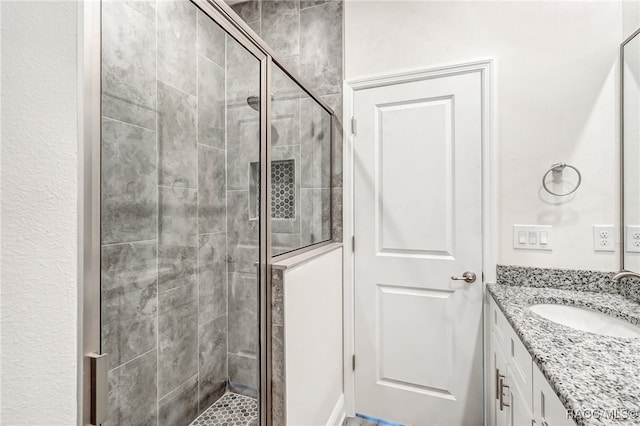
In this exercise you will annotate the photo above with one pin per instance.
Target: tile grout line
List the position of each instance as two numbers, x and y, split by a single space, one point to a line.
212 233
179 386
204 145
206 57
197 117
129 242
157 242
106 117
181 286
132 359
226 205
188 188
317 5
184 92
213 319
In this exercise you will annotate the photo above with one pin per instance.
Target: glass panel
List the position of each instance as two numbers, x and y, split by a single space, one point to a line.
631 153
300 167
180 239
243 231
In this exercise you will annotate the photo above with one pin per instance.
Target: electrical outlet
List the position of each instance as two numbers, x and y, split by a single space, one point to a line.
632 239
603 238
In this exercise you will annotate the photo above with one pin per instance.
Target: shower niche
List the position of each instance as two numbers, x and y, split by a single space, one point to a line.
283 190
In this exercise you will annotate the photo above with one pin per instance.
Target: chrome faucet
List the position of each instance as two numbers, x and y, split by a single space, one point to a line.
624 274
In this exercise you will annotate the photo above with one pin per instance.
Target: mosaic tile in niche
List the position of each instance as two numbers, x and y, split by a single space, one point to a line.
283 190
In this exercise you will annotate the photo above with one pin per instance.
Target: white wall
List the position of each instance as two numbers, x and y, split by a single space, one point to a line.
39 213
313 341
556 99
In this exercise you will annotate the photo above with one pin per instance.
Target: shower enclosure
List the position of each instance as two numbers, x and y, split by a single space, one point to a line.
207 159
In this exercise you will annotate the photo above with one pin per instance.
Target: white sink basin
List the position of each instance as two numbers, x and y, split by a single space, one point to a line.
586 320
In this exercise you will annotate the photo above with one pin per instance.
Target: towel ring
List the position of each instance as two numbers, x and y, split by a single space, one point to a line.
558 168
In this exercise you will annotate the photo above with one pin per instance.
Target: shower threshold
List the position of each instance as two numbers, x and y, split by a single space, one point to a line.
231 409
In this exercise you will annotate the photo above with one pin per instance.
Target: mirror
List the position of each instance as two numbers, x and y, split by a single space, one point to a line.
630 85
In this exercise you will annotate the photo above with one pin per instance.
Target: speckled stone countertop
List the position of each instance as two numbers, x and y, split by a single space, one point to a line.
587 371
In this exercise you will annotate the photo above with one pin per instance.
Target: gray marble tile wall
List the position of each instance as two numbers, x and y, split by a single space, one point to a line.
165 316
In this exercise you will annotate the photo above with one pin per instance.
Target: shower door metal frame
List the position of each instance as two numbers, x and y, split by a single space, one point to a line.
89 129
89 132
622 232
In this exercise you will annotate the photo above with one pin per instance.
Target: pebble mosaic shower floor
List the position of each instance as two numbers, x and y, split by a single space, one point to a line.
230 410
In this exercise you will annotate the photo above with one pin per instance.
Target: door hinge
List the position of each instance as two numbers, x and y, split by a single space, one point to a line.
354 126
353 362
353 244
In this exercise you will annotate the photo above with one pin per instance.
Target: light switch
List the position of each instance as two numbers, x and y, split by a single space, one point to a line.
522 237
544 238
533 237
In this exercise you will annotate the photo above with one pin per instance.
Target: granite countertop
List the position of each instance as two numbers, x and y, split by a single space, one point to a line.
587 371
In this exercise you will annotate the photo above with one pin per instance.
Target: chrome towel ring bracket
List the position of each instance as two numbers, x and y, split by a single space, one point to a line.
557 169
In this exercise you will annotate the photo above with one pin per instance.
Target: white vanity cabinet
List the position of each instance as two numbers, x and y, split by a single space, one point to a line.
520 395
548 410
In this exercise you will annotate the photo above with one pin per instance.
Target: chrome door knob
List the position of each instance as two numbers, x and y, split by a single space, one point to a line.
468 276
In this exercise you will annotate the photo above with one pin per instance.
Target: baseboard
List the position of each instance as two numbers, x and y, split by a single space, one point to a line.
338 415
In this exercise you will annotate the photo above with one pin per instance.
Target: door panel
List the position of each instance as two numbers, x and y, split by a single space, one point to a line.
418 202
422 128
401 366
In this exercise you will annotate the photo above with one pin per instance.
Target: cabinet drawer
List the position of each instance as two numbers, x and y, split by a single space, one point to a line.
547 408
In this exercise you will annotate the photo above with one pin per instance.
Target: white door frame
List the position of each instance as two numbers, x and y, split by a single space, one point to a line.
485 68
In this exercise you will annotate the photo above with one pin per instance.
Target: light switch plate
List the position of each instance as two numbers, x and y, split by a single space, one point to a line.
632 239
604 238
536 237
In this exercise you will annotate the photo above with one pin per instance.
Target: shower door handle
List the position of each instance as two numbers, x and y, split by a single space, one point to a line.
99 388
468 276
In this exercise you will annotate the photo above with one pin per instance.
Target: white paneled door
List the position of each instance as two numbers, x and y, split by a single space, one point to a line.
418 224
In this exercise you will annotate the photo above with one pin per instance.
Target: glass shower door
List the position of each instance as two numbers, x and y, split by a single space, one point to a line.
180 216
